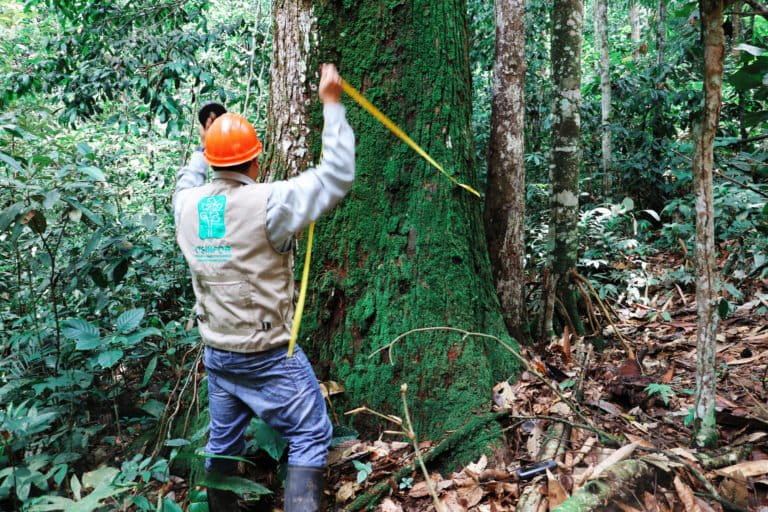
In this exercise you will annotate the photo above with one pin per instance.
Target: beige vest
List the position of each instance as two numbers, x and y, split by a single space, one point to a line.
243 286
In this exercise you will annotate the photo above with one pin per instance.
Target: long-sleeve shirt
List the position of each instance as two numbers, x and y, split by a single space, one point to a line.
294 203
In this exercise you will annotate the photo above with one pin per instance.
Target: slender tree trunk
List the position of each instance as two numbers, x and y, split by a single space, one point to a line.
287 148
661 32
601 35
406 249
736 8
705 429
567 24
635 30
505 199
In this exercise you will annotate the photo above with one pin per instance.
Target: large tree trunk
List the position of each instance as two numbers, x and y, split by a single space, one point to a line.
567 23
505 199
287 148
601 35
705 431
406 249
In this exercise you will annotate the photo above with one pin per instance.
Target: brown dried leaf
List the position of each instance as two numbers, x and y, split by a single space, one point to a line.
747 469
625 508
389 506
346 491
556 494
686 496
471 495
650 503
734 489
667 377
504 396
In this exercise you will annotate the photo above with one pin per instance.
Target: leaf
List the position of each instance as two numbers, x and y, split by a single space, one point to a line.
85 335
153 408
51 198
138 336
723 308
752 50
149 371
235 484
267 439
129 320
36 221
176 443
108 358
94 172
170 506
16 166
9 214
118 273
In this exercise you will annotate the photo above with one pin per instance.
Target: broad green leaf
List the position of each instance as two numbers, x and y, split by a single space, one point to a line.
108 358
267 439
51 198
170 506
16 166
86 336
235 484
149 371
138 336
9 214
129 320
94 172
153 408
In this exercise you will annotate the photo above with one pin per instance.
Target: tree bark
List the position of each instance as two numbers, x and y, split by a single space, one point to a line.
635 30
661 32
406 249
601 35
287 150
567 24
505 198
705 429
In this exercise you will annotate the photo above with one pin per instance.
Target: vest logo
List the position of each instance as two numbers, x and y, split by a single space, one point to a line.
210 212
213 253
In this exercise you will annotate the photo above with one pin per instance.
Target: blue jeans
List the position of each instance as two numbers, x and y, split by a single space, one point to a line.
282 391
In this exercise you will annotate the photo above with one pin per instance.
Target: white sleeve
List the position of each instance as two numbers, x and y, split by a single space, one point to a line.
191 175
296 202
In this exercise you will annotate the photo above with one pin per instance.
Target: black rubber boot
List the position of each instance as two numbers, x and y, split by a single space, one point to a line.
304 489
222 501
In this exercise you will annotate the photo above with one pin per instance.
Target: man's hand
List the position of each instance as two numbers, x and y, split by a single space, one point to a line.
330 84
203 129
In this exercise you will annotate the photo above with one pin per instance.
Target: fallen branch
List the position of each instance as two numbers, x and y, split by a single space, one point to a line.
615 483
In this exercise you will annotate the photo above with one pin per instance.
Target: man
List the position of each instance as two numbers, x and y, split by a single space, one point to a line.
236 237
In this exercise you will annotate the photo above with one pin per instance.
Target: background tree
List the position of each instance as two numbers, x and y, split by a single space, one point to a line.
601 35
707 284
505 198
567 24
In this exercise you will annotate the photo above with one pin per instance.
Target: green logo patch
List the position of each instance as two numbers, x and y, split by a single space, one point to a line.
210 211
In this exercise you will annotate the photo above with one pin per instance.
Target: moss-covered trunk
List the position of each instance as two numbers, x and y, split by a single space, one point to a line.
406 249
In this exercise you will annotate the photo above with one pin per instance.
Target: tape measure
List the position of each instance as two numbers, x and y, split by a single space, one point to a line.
391 126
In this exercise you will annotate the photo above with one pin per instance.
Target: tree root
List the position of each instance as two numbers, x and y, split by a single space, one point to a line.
613 484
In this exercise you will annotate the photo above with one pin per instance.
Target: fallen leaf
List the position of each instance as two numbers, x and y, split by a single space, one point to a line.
617 456
503 396
555 492
667 377
346 491
533 445
650 503
747 469
734 489
686 496
471 496
625 508
389 506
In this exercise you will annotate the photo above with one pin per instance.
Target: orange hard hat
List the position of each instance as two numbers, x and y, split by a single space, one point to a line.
231 140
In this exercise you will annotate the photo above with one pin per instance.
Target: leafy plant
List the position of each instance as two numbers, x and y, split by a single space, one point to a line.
364 470
663 390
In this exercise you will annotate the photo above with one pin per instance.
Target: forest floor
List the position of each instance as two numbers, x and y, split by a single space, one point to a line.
631 409
612 417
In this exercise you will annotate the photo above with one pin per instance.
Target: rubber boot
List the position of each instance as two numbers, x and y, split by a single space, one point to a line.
222 501
304 489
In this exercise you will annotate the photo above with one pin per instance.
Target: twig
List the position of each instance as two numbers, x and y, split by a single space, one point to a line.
509 348
743 185
411 434
630 352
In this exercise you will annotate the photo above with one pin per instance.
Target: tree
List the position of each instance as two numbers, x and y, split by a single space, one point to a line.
287 148
567 23
705 429
601 34
635 29
505 199
661 32
406 249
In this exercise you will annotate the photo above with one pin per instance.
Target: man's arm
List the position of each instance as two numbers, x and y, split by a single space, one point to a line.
191 175
294 203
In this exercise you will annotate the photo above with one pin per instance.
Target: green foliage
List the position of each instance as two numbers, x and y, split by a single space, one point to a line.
364 470
663 390
235 484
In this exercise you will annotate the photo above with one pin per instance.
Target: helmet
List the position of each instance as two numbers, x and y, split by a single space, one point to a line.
231 140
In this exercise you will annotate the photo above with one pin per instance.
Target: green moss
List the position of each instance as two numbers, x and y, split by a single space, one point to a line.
406 249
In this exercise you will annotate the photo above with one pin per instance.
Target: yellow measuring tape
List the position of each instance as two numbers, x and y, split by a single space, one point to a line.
391 126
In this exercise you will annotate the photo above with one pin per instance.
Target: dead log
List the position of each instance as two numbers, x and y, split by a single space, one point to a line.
615 483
